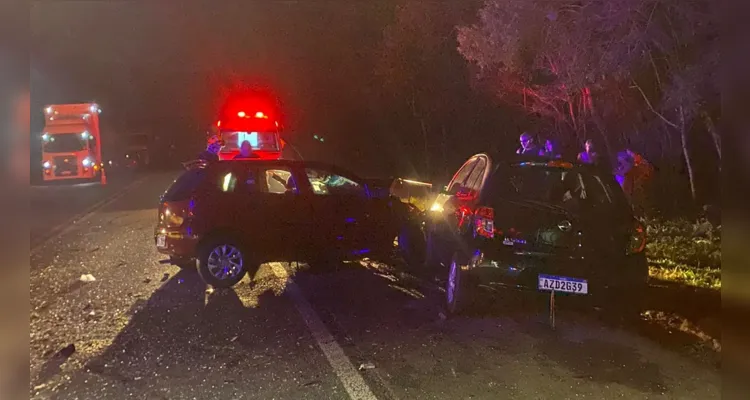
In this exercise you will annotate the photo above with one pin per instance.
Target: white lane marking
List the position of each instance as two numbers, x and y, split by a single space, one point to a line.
73 222
343 368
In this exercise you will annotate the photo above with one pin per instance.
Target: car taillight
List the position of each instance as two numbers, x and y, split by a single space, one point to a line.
173 215
637 238
171 218
484 222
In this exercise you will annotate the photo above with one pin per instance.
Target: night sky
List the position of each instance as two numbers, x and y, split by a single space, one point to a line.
164 69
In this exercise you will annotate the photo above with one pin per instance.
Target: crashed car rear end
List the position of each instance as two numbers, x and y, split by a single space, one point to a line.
538 226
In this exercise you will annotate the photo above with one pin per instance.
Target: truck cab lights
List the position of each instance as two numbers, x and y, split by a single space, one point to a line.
242 114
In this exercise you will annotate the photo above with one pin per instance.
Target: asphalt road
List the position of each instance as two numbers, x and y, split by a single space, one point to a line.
145 330
54 205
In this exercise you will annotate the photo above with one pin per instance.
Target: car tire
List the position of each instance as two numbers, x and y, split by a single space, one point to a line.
411 246
632 304
460 293
223 262
624 305
431 259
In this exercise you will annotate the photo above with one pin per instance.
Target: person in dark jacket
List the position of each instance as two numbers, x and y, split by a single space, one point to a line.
212 150
528 145
589 155
549 150
246 151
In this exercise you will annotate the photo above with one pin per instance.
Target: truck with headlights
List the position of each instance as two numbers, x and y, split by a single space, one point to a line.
71 142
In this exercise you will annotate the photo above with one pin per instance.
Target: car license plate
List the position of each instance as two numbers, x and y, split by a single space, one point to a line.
161 241
563 284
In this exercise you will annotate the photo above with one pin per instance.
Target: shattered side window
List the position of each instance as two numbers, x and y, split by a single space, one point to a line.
325 183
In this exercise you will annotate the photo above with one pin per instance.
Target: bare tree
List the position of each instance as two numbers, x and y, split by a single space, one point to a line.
583 63
414 70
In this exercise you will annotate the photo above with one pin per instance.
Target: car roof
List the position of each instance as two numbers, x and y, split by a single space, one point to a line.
504 159
289 164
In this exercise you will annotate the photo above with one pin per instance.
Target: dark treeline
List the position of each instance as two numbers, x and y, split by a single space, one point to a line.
627 74
408 88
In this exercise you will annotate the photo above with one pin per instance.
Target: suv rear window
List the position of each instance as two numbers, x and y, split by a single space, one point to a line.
550 185
184 186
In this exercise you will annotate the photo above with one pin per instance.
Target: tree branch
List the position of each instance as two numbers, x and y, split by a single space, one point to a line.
544 101
651 107
656 71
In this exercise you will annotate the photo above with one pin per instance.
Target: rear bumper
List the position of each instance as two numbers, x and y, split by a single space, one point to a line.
82 175
604 276
177 243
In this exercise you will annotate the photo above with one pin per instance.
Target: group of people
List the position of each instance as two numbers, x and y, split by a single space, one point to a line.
214 147
632 171
529 147
549 149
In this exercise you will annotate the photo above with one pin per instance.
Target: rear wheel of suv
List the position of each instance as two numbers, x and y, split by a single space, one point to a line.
431 260
623 306
459 289
631 304
222 262
411 246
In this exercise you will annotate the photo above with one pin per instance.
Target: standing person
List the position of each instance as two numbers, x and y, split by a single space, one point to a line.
246 151
624 164
549 150
639 177
212 150
528 145
589 155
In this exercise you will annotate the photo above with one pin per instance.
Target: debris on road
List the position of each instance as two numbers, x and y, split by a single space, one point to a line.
365 366
87 278
147 280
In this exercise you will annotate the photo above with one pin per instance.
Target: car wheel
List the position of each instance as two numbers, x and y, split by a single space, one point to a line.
631 305
623 306
430 253
223 263
459 292
411 246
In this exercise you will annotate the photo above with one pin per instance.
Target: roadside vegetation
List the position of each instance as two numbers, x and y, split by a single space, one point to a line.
682 252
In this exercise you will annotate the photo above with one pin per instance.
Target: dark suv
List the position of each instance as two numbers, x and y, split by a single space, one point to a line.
231 216
536 224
